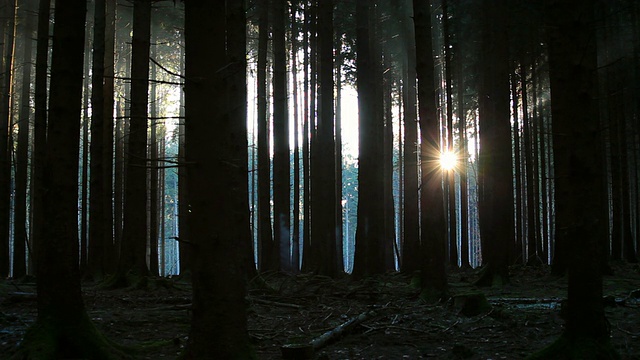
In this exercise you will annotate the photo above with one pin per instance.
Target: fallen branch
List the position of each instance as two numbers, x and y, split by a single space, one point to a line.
275 303
306 350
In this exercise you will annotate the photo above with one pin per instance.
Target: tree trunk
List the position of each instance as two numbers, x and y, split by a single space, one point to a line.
433 216
154 174
97 227
267 251
496 179
134 241
281 159
578 168
108 122
518 248
20 239
185 247
219 217
411 246
369 255
63 329
39 126
6 81
450 182
324 206
295 248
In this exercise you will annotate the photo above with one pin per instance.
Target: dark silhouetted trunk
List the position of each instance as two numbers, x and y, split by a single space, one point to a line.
496 176
433 232
281 159
134 241
369 248
215 85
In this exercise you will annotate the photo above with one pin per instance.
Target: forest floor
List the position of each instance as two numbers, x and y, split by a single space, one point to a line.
524 316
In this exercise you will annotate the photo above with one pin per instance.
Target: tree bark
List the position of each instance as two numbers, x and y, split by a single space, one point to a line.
267 251
578 167
281 159
496 179
323 231
134 241
219 217
6 81
433 218
20 239
369 250
411 247
62 328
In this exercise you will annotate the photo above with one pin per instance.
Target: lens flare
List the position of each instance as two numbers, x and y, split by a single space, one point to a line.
448 160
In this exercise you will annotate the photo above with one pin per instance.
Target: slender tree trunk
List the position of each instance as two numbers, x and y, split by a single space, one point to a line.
266 249
324 219
306 161
134 242
518 248
109 246
295 248
97 227
339 163
450 182
84 197
185 246
281 148
411 247
154 174
6 90
20 239
529 154
463 168
39 126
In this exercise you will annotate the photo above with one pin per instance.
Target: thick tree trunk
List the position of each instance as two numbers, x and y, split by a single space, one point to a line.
496 179
369 255
433 216
219 217
579 174
63 329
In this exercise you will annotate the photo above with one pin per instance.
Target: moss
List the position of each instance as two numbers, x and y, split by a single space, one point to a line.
565 348
51 339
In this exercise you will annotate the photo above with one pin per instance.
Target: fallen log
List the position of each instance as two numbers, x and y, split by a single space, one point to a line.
306 350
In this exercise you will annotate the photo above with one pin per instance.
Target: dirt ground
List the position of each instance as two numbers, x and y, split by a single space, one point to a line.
524 316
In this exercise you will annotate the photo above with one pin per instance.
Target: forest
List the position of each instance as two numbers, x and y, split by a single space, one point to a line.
330 179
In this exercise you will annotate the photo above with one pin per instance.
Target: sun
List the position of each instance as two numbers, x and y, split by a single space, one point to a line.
448 160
